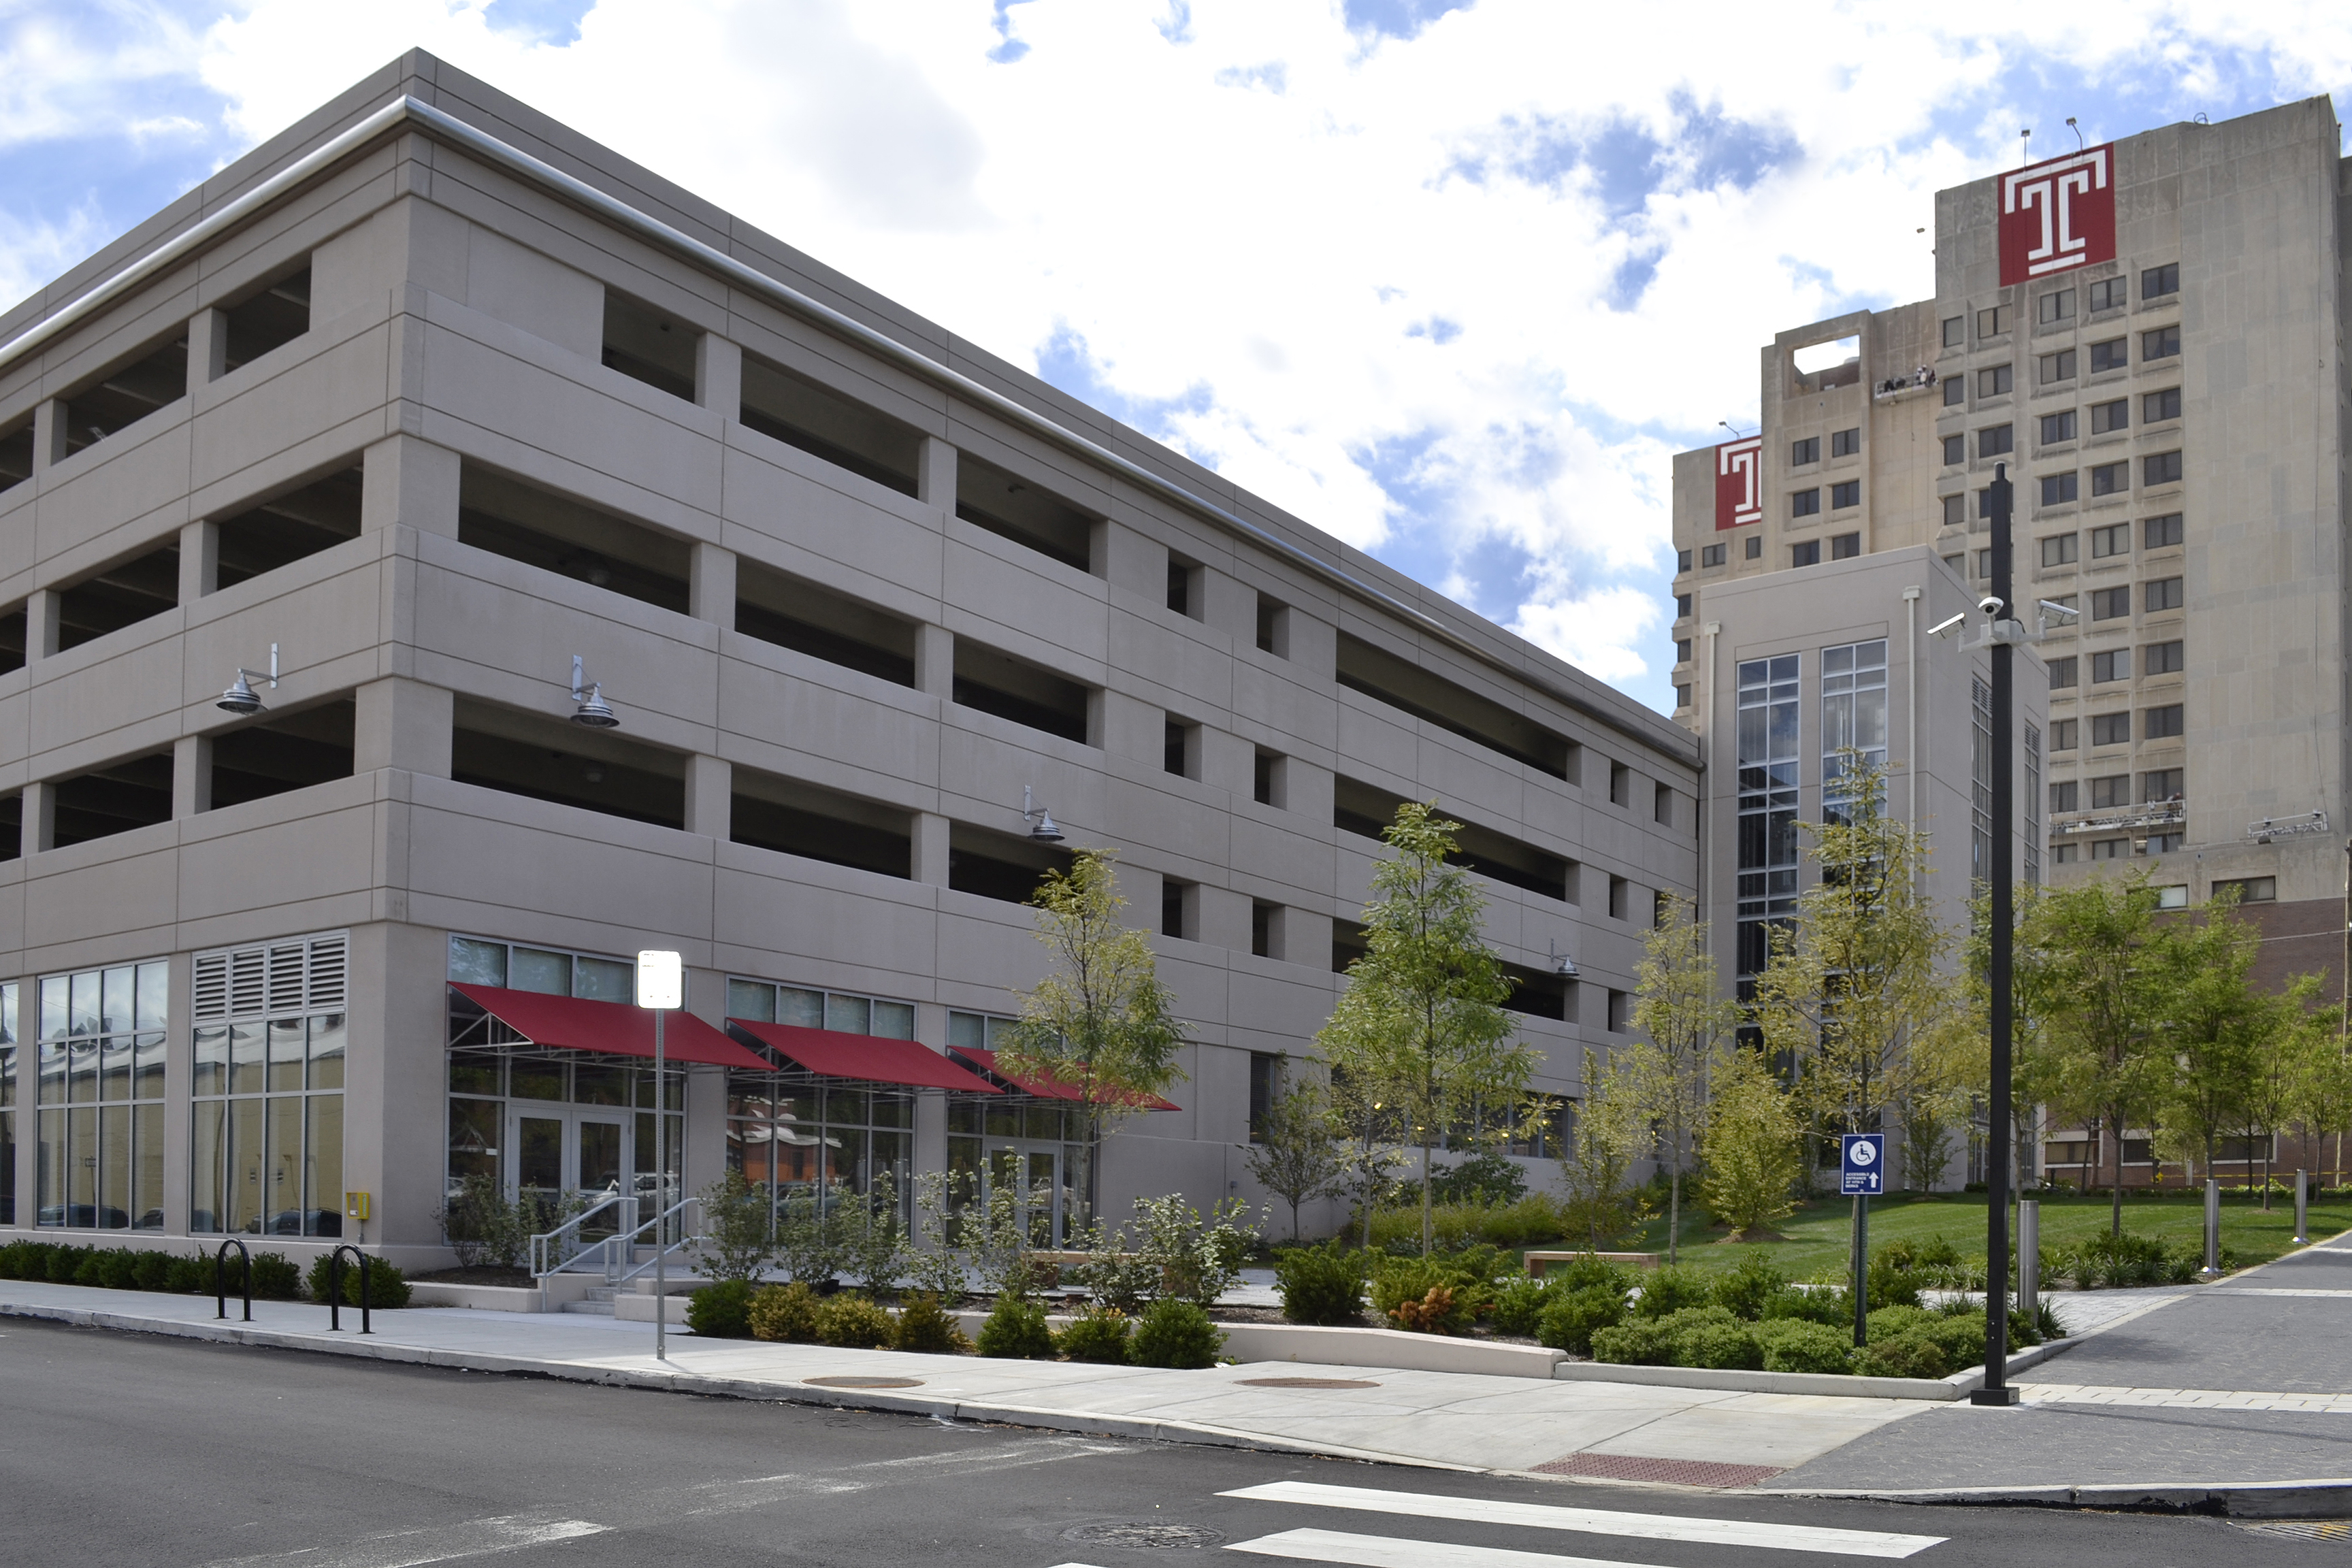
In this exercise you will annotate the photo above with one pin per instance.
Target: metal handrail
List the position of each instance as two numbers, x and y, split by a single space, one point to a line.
616 1275
220 1276
542 1245
335 1288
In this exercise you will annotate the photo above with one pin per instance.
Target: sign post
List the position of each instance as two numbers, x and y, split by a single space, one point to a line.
1862 1176
661 985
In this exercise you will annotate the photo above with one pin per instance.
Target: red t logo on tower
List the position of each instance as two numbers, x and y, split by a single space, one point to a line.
1739 482
2058 216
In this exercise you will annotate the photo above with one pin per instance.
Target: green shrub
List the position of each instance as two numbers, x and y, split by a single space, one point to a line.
1580 1272
1667 1290
1460 1226
1640 1341
1960 1338
1519 1307
91 1271
65 1262
1744 1291
1570 1317
1792 1345
153 1271
1176 1334
386 1285
1483 1177
852 1321
720 1312
1016 1330
1097 1334
1320 1285
1904 1356
1888 1322
1730 1345
784 1313
1403 1287
118 1268
925 1327
1830 1308
276 1277
190 1276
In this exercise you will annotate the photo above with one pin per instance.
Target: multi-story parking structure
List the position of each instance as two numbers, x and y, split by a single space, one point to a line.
433 403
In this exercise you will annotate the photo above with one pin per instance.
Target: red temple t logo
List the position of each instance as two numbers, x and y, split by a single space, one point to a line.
2058 216
1739 482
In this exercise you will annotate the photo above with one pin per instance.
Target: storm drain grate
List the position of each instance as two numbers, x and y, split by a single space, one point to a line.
1638 1467
1305 1382
2301 1528
863 1382
1143 1534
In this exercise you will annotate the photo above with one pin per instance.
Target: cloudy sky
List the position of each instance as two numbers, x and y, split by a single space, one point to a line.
1449 280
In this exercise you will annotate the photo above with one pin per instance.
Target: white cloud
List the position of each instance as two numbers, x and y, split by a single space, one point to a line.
1430 294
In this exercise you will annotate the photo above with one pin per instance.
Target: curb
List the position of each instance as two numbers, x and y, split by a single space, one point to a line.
1198 1433
2329 1497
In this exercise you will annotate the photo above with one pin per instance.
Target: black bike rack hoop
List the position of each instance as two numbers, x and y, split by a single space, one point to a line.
220 1276
335 1288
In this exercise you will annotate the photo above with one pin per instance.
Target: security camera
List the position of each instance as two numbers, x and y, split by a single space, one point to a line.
1990 604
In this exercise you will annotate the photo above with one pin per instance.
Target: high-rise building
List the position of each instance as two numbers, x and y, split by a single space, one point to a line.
2147 334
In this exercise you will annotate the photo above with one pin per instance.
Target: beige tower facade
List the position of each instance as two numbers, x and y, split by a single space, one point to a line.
2148 336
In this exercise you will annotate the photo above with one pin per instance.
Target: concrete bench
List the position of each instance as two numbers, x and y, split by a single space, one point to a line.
1538 1262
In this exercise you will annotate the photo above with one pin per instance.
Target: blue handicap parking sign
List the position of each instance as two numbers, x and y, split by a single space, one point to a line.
1862 1171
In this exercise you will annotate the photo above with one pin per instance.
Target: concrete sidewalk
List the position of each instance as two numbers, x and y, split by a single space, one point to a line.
2244 1381
1459 1420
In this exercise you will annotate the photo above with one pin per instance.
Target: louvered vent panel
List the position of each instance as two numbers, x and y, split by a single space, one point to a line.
281 979
329 961
212 987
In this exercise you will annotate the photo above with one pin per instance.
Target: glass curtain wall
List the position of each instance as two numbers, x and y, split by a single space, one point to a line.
798 1135
100 1159
1853 720
1768 739
8 1103
1017 1140
1980 784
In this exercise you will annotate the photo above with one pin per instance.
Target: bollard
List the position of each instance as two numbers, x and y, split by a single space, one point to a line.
2303 1208
2212 1228
2028 1258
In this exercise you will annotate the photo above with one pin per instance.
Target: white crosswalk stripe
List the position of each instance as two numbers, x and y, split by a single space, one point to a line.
1391 1551
1592 1520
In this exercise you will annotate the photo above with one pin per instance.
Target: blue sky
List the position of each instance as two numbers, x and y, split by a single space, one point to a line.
1452 281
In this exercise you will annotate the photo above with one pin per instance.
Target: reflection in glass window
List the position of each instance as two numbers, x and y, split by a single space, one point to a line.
1853 717
271 1044
760 1001
8 1103
98 1165
1767 714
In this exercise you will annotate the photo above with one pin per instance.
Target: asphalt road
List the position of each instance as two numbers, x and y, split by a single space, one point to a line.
126 1451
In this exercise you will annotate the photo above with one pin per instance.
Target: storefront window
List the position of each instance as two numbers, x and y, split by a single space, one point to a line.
272 1042
100 1159
8 1103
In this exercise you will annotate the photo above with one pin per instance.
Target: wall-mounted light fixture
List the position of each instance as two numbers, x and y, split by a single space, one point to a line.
240 698
588 697
1041 822
1561 963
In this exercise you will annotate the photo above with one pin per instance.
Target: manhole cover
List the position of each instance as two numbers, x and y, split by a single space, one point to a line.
1143 1534
1305 1382
864 1381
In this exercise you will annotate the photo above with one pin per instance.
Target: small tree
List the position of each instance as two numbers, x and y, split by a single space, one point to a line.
2286 1032
1610 1127
2324 1090
1754 1147
1422 1016
1370 1131
1687 1019
1100 1022
1296 1156
739 1232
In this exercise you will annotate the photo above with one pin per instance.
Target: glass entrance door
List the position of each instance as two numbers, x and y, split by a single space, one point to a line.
1034 1173
564 1150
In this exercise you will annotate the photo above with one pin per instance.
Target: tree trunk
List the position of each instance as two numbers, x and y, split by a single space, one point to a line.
1425 1221
1674 1214
2116 1188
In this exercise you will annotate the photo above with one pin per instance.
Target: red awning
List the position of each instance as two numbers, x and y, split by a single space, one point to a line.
868 1058
571 1023
1048 1087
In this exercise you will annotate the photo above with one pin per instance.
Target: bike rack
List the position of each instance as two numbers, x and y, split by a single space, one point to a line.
335 1288
220 1276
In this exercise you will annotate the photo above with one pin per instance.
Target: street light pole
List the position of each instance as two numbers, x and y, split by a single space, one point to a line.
661 986
2006 631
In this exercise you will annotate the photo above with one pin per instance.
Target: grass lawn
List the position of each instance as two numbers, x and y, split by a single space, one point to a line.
1819 1232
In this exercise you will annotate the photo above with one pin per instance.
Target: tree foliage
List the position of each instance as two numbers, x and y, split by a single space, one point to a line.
1421 1027
1610 1129
1298 1157
1686 1021
1753 1147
